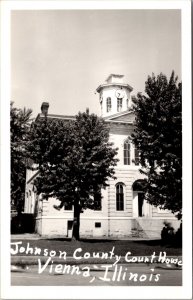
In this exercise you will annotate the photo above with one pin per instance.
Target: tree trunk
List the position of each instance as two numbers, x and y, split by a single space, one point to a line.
76 222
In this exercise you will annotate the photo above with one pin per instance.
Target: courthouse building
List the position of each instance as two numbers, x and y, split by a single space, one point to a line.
123 211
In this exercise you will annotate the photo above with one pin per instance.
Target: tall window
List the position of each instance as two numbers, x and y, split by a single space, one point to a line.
108 104
119 197
127 152
136 154
119 104
97 201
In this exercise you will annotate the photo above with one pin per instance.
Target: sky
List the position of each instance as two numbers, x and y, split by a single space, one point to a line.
62 56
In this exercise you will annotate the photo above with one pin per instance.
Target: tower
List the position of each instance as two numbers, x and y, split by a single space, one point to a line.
114 95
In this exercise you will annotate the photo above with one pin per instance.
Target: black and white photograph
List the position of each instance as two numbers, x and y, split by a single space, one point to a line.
99 135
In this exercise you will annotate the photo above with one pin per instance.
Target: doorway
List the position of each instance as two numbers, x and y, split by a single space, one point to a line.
141 204
141 208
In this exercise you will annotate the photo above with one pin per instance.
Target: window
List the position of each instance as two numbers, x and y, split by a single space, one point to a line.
131 154
97 201
97 225
127 152
119 104
68 206
119 197
108 104
136 156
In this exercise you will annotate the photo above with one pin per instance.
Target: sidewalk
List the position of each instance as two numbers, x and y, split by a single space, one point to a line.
33 236
25 259
20 263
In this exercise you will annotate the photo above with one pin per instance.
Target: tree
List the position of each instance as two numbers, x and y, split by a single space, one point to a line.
19 127
74 160
158 137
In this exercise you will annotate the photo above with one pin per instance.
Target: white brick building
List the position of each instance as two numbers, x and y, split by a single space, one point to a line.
124 212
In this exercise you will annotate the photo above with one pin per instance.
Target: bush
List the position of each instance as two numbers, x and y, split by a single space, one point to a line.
23 223
169 237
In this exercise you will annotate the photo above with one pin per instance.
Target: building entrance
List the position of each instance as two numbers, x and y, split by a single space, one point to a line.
140 206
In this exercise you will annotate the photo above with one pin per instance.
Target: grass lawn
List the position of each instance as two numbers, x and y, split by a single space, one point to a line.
121 247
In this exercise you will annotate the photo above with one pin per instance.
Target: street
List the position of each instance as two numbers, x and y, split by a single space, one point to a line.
99 275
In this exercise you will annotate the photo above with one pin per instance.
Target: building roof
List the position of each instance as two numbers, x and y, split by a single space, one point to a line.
52 116
121 117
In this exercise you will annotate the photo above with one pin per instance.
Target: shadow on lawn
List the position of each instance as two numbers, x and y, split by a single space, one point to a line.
57 239
158 243
81 240
149 242
98 241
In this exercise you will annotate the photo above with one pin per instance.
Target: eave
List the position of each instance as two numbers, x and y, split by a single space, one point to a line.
114 85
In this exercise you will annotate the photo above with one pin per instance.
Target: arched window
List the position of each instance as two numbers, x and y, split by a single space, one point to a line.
127 152
119 104
108 104
119 197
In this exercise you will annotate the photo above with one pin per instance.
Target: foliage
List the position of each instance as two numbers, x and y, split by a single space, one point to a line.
19 127
74 159
158 137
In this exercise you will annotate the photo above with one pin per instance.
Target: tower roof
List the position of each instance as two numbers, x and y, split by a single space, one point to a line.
114 80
